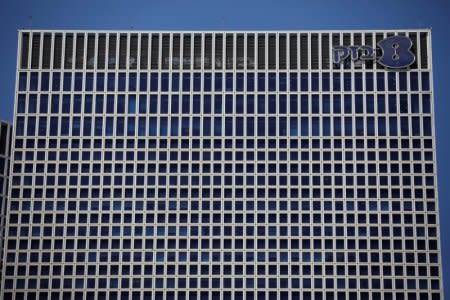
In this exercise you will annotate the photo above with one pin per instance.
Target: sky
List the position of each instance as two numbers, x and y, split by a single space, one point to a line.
247 15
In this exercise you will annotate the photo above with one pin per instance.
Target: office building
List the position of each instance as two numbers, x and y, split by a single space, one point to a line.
223 165
5 143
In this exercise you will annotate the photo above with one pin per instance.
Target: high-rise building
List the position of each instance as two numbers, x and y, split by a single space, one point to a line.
228 165
5 146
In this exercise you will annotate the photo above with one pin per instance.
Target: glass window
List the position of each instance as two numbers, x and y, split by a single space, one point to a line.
369 81
272 126
282 129
185 126
56 81
250 82
239 104
229 126
359 109
87 104
99 104
392 81
337 126
293 105
174 106
32 104
89 85
392 126
304 127
392 104
121 104
414 81
348 104
293 126
314 81
122 82
153 107
132 82
142 104
261 82
120 126
427 126
53 126
380 81
78 81
142 126
154 82
261 126
415 107
326 104
229 82
206 126
250 126
43 103
261 104
217 126
66 104
272 81
426 104
22 81
206 104
359 126
348 126
381 126
34 81
325 82
402 81
100 85
381 104
185 104
326 126
152 125
304 82
347 81
131 104
197 84
109 126
186 82
207 84
218 82
250 104
315 126
165 104
174 126
282 109
143 82
282 82
111 82
336 81
272 104
293 85
98 126
163 126
31 126
110 104
45 78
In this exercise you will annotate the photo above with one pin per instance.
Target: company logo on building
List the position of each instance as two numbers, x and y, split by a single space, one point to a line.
395 53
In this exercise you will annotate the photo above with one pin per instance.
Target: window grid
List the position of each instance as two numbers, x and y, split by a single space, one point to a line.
326 192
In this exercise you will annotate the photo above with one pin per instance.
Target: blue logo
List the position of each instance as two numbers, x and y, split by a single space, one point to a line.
395 53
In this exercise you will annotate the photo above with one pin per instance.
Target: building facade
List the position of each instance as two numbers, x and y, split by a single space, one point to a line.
5 152
231 165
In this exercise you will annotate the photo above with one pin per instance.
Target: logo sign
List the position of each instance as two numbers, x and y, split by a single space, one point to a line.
395 53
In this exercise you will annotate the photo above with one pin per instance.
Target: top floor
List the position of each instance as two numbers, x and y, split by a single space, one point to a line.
209 50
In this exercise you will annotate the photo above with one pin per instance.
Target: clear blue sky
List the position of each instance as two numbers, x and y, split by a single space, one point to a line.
242 14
